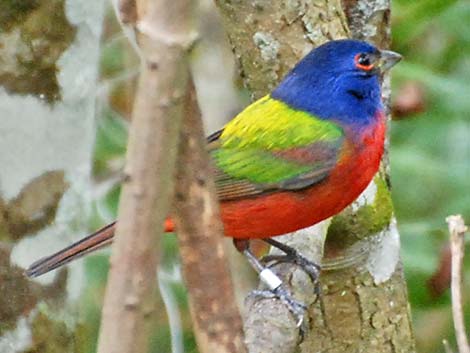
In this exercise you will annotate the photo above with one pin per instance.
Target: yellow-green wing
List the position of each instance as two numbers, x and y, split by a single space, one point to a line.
270 146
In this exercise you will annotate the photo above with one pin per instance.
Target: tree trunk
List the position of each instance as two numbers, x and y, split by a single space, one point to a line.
363 305
47 122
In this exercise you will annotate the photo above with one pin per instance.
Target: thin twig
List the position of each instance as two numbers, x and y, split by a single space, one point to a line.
457 231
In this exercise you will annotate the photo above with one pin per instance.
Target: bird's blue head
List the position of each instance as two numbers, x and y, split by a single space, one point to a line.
338 80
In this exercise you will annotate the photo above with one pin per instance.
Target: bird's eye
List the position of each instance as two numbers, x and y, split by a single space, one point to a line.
364 62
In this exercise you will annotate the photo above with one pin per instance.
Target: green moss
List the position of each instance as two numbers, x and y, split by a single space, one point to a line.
349 226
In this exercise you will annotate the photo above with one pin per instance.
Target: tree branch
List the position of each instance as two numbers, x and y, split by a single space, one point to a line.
217 323
269 326
153 140
457 231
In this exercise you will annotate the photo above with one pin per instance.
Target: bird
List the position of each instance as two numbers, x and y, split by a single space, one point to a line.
296 156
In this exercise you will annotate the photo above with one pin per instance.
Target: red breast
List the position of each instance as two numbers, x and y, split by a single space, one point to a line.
279 213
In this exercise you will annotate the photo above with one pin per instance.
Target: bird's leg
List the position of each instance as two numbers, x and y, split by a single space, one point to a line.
293 256
273 282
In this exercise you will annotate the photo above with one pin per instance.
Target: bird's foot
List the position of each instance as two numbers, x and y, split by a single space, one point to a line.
310 268
276 289
293 256
297 308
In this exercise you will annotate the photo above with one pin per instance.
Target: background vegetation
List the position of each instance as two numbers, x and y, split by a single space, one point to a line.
430 157
430 151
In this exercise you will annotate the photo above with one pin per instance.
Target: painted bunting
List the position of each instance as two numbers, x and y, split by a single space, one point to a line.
294 157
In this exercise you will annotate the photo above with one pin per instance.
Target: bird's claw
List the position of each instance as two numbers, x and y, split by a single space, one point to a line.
310 267
297 309
276 289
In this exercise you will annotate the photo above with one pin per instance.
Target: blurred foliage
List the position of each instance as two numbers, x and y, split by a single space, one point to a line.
430 152
430 160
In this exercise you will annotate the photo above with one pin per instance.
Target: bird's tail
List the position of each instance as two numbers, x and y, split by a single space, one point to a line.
92 242
95 241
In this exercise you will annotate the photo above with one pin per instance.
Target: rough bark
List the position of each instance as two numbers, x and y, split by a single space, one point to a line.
363 305
369 292
269 37
164 38
217 323
47 120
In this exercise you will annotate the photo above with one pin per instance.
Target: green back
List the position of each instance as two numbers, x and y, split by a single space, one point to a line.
271 146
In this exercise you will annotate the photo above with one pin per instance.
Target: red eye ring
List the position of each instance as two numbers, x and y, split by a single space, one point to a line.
362 61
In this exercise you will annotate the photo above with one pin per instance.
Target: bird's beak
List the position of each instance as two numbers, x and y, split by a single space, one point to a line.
388 59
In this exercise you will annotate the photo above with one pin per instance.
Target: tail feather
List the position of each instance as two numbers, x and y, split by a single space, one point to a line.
99 239
95 241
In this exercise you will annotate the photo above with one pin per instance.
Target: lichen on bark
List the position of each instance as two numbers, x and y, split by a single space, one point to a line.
34 34
33 208
14 12
20 295
47 162
355 314
49 336
269 37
